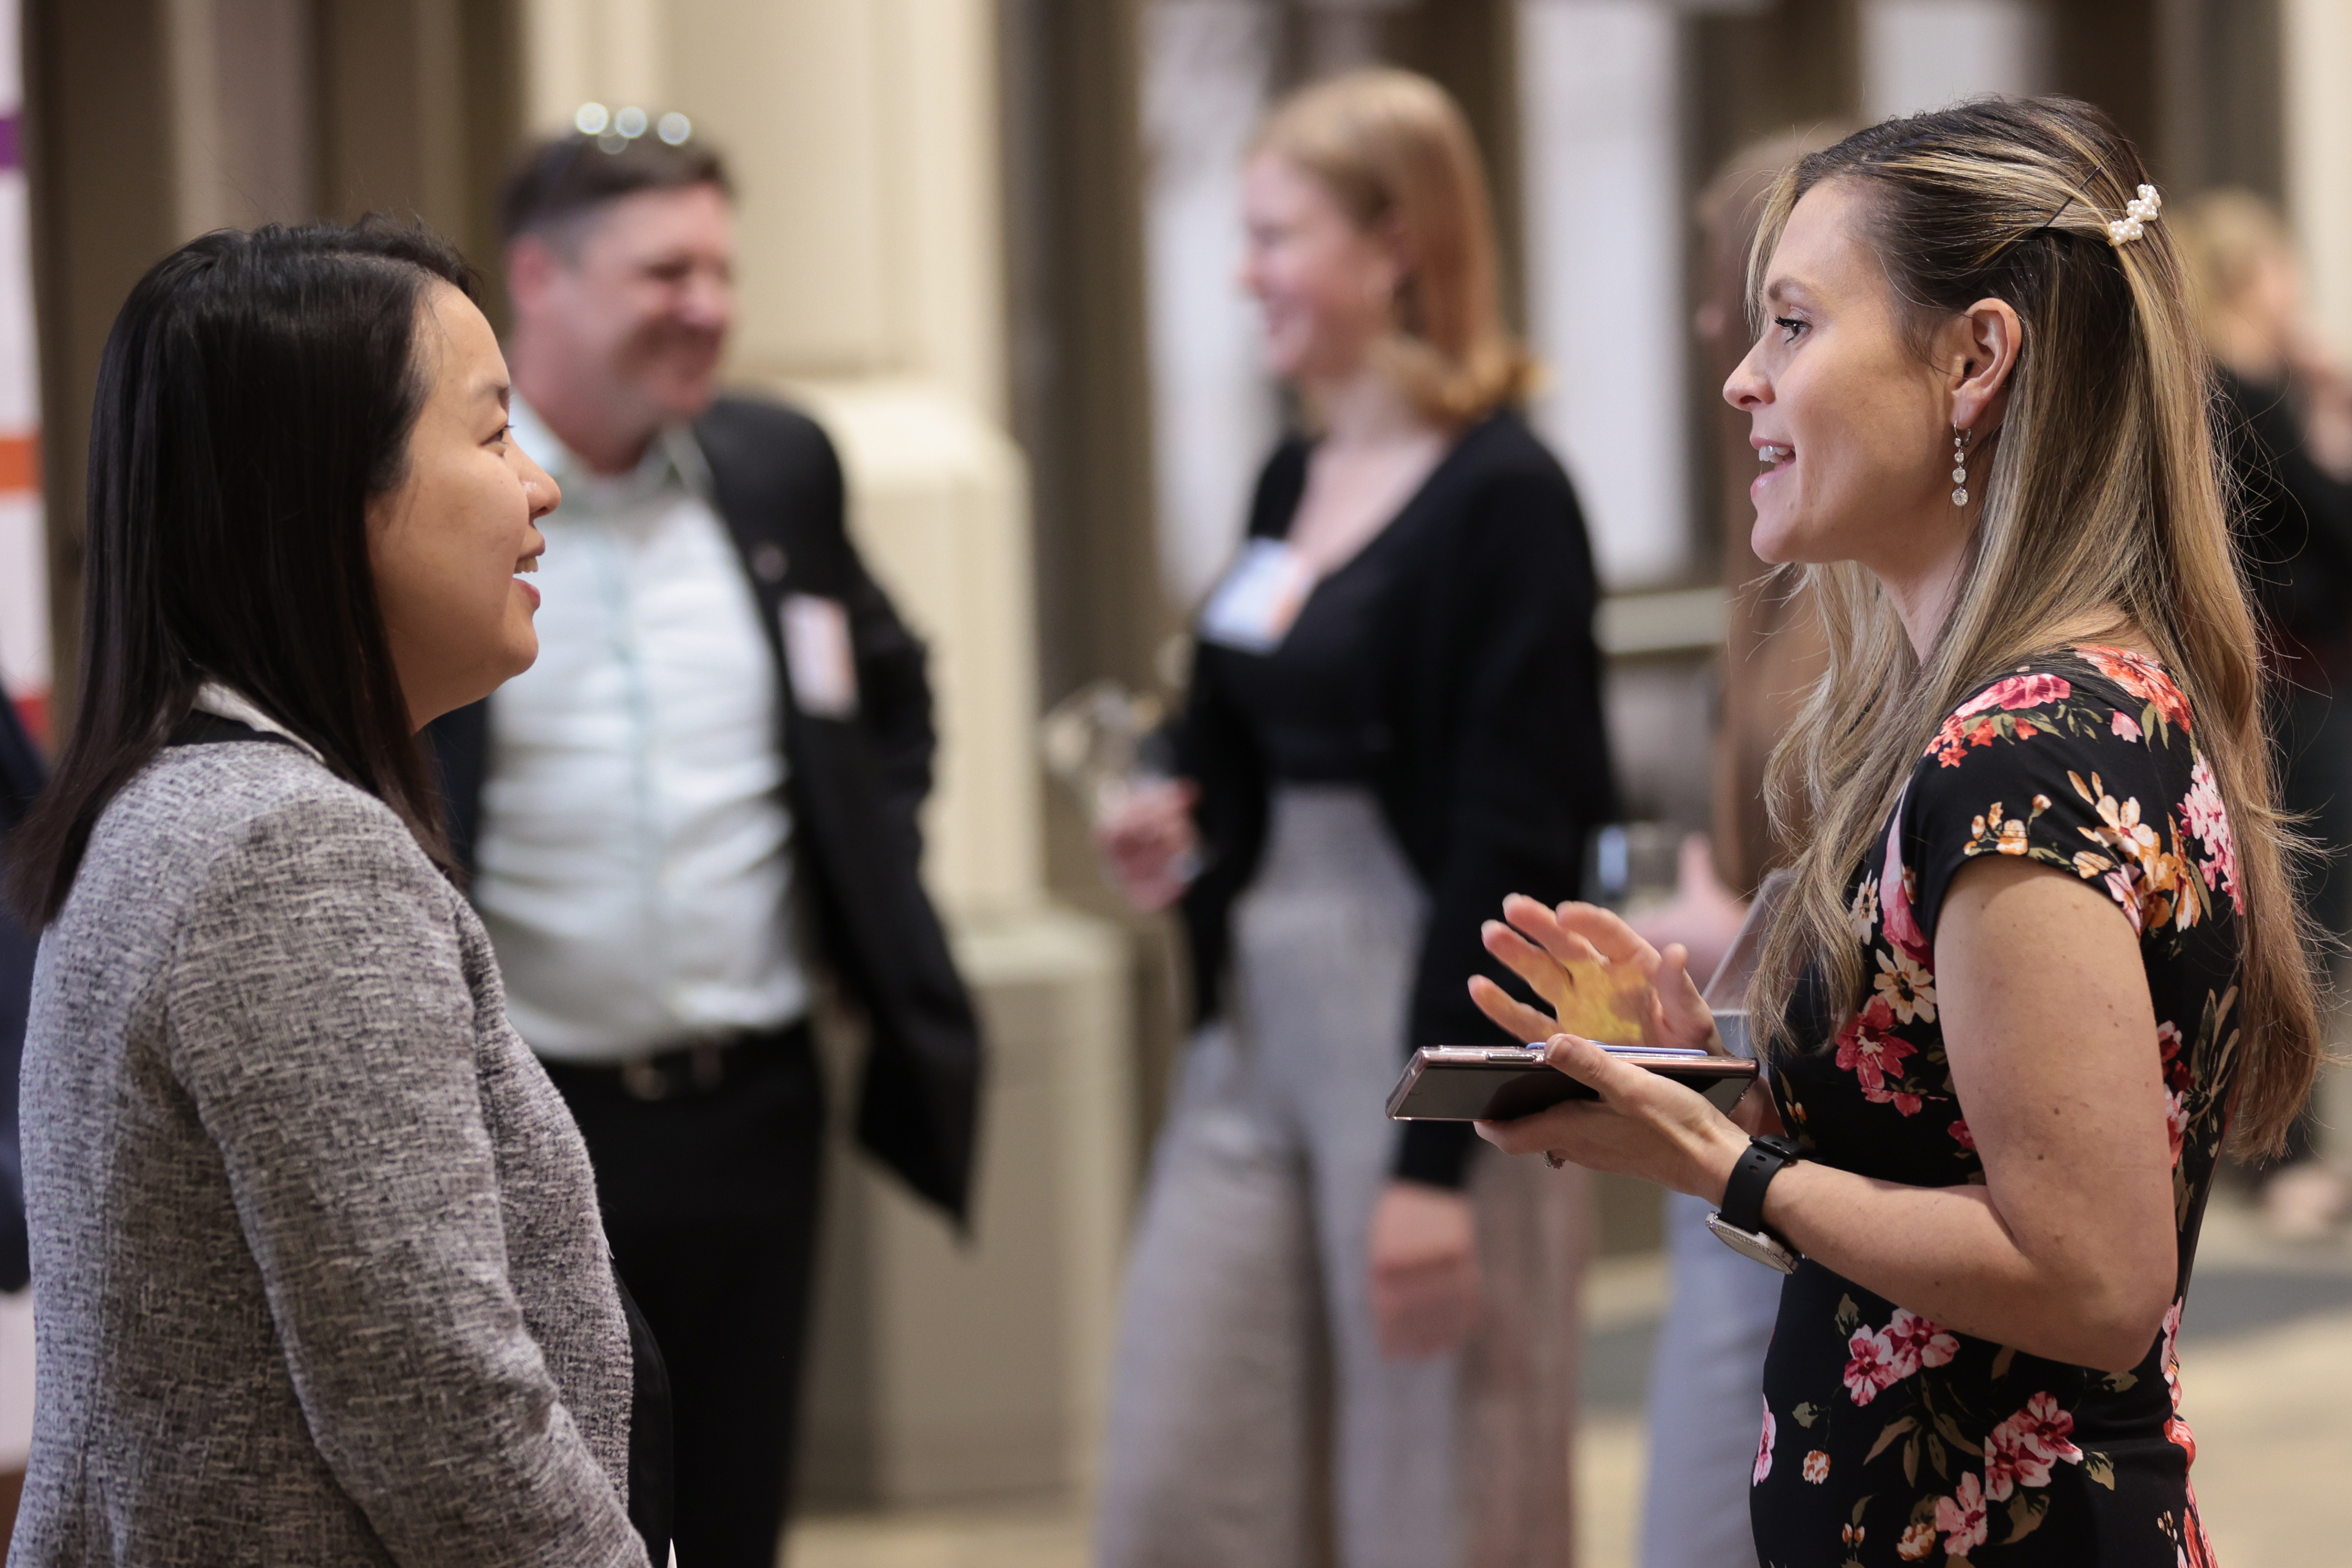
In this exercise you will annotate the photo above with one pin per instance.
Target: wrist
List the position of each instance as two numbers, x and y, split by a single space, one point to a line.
1738 1224
1747 1194
1725 1145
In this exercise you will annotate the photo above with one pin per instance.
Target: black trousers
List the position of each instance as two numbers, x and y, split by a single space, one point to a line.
710 1197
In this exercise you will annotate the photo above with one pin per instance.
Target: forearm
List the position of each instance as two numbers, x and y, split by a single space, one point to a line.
1947 1253
2060 1289
2067 1248
486 1465
383 1262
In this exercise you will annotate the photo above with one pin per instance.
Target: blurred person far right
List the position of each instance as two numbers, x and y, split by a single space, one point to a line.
2283 407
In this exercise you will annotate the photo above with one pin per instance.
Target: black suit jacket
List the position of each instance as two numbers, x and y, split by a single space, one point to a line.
21 777
855 786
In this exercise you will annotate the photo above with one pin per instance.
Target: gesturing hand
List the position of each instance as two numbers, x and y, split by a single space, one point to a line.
1642 1125
1540 945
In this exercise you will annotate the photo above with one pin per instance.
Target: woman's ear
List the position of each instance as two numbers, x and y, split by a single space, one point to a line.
1979 353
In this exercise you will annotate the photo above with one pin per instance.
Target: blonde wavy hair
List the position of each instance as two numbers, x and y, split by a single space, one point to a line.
1393 149
2104 495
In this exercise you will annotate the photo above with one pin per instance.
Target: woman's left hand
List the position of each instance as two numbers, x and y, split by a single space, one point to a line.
1644 1125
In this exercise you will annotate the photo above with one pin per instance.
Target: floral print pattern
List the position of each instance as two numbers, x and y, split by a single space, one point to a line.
2021 1449
1920 1444
1960 1518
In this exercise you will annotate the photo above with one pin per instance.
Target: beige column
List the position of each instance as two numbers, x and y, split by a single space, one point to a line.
149 122
241 98
606 50
2316 62
863 139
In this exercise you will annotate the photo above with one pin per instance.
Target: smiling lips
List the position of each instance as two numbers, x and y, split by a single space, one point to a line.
1769 455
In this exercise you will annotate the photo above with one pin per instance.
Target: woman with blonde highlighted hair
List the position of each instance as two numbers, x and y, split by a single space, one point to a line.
1341 1344
2040 951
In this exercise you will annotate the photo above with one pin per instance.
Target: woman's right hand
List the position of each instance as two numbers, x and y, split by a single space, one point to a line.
1148 844
1539 944
2327 403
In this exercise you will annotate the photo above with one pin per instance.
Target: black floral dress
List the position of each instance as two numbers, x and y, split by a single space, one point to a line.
1888 1439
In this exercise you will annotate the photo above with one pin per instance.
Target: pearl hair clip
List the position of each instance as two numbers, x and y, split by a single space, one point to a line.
2140 210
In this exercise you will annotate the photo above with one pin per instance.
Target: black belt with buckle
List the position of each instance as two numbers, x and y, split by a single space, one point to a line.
702 1068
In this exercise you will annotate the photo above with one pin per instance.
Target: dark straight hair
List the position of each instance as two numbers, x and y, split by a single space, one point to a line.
255 392
552 186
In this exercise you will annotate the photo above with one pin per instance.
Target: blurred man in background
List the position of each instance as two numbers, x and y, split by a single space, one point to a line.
706 786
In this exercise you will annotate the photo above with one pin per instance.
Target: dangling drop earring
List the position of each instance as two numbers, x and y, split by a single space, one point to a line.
1959 467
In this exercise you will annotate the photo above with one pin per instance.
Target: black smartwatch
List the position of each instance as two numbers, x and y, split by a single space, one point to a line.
1739 1223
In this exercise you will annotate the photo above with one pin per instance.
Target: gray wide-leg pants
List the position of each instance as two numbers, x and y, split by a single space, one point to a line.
1254 1422
1706 1393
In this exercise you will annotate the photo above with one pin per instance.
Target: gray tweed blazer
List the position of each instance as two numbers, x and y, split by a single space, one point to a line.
316 1256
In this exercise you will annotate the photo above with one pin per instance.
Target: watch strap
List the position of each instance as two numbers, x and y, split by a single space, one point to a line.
1757 1247
1743 1195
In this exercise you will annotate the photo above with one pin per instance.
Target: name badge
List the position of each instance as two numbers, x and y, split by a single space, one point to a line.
1252 608
818 657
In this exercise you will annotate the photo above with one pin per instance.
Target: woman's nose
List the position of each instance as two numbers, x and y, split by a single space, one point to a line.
1744 389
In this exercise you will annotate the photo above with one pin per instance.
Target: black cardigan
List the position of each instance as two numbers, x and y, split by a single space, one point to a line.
2295 533
1490 759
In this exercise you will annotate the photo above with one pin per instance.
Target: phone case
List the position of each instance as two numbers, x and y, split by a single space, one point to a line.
1475 1083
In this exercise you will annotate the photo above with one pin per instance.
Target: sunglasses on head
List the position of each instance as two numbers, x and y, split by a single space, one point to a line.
614 130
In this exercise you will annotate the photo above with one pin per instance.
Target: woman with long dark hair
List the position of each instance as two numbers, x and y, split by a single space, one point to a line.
315 1246
2040 950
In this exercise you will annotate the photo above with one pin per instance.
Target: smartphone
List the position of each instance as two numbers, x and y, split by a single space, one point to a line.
1478 1083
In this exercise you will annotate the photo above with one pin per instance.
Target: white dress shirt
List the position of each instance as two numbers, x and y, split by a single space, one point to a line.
635 864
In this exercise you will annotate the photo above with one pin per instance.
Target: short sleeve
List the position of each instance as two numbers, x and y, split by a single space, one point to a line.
2069 767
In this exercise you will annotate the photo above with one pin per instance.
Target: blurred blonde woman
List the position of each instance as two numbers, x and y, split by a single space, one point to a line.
2040 950
1341 1344
1719 1311
2286 426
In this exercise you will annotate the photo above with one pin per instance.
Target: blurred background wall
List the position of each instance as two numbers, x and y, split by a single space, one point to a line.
990 244
24 651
